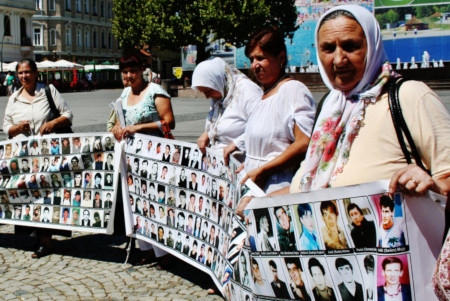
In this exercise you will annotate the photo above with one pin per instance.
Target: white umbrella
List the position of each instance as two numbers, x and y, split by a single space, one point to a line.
101 67
64 64
45 65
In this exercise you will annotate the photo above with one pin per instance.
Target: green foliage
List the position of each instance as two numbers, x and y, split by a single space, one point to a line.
392 16
171 24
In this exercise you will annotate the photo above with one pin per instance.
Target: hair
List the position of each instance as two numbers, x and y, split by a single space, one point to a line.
314 262
369 262
386 201
130 60
389 260
331 206
335 14
270 40
352 206
29 62
302 209
272 264
181 214
293 260
340 262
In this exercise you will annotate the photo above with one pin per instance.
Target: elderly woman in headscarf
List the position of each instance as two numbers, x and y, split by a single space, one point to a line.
233 97
355 115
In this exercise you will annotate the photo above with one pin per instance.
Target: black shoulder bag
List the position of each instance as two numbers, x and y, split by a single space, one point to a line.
401 128
55 113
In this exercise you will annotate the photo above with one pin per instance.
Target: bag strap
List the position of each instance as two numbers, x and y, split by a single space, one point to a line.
401 128
319 108
51 103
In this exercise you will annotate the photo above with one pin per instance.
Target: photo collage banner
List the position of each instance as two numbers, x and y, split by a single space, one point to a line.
61 181
356 242
183 201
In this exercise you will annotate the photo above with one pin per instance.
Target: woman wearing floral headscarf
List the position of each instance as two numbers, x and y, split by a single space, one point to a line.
233 97
353 140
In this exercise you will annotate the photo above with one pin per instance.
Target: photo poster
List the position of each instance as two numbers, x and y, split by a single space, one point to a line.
335 241
60 181
183 202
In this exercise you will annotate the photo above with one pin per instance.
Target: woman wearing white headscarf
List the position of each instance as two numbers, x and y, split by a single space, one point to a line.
233 97
354 140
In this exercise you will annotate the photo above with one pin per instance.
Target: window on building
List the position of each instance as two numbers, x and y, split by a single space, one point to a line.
7 26
51 5
53 37
103 38
78 5
94 7
38 4
94 39
102 9
87 39
109 10
37 36
68 36
86 6
79 38
68 5
109 41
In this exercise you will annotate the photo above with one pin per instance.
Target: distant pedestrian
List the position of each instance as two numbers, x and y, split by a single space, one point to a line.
90 85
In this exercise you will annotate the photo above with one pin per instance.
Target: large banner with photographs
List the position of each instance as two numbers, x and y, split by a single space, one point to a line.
61 181
350 243
183 201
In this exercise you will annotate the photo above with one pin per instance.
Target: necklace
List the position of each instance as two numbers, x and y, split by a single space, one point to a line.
275 84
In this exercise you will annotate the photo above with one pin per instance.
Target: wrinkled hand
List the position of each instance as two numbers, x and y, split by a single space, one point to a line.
256 175
227 152
129 131
117 132
411 180
203 142
24 127
242 205
47 128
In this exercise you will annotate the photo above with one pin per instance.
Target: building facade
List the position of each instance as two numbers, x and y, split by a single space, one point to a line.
75 30
16 27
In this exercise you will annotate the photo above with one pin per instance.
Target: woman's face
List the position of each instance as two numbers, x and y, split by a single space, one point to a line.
210 93
26 76
133 75
342 50
266 67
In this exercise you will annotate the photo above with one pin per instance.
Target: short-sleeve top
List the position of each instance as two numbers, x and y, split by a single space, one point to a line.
270 128
145 111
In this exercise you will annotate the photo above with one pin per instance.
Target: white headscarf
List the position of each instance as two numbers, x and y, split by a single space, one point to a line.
341 116
216 74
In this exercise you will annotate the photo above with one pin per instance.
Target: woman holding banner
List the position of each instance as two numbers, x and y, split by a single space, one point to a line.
233 97
277 133
145 107
28 113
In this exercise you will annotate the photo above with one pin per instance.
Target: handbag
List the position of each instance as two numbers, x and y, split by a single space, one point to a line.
55 113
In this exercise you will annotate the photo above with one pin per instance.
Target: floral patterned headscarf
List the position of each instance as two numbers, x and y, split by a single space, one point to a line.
342 114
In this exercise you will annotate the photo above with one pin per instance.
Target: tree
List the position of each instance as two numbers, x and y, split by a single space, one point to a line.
172 24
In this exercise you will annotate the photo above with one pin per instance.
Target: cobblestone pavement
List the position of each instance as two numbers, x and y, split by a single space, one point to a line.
91 267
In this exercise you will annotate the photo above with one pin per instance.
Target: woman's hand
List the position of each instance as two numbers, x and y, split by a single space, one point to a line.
47 128
227 152
256 175
412 180
117 132
242 205
203 142
130 130
23 127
